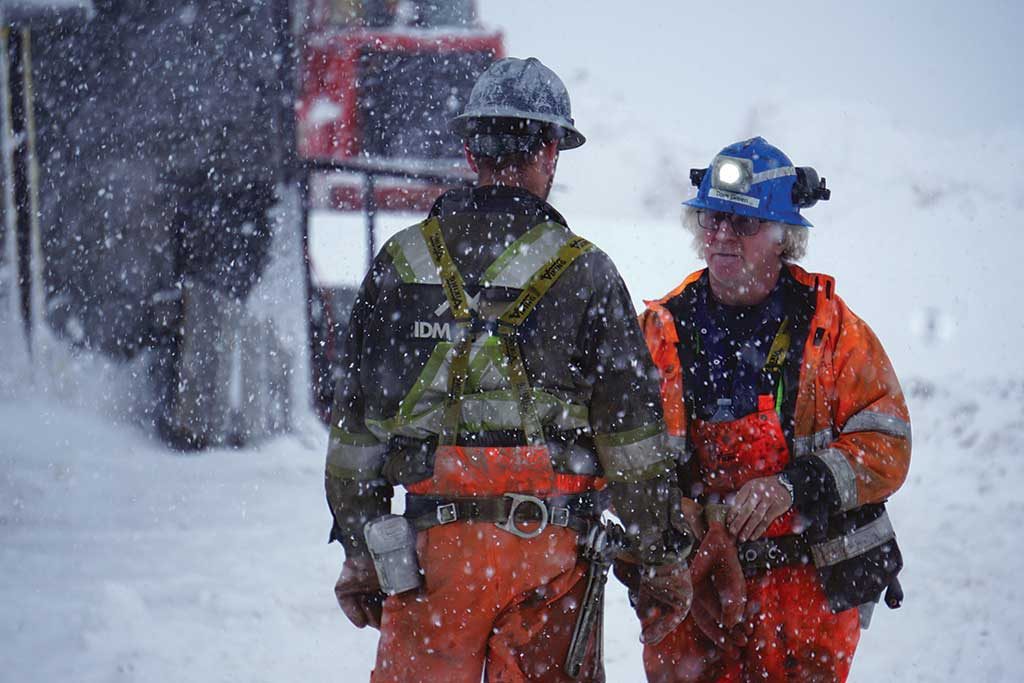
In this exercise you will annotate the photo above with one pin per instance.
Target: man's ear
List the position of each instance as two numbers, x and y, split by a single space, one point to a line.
469 158
549 156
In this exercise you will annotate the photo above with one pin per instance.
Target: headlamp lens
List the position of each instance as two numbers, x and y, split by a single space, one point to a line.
729 173
732 174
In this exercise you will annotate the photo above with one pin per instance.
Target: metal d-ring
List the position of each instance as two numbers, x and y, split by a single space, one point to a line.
509 524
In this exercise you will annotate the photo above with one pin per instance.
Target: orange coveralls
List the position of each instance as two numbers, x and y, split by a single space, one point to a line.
851 416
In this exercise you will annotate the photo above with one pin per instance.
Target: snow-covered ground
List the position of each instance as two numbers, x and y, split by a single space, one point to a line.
122 561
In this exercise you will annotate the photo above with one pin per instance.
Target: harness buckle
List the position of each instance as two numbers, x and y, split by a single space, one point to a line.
447 513
509 524
559 516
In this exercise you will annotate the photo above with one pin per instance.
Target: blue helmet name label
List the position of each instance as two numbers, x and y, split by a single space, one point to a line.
727 196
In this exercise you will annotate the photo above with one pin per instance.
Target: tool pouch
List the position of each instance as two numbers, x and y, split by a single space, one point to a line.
391 541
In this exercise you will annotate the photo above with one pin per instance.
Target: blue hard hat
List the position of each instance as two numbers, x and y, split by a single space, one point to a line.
754 178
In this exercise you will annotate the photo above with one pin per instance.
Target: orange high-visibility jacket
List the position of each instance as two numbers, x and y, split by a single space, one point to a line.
850 414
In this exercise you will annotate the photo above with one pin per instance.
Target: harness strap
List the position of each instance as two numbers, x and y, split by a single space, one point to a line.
517 312
577 512
541 281
451 279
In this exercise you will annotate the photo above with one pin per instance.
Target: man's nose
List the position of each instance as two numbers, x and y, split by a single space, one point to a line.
723 229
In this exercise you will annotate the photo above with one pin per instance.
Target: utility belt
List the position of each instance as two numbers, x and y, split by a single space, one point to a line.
764 554
391 539
578 512
855 566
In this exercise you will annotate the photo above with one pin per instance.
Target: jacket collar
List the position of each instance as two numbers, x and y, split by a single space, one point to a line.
496 199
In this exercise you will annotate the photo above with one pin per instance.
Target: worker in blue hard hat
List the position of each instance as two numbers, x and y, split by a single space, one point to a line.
796 433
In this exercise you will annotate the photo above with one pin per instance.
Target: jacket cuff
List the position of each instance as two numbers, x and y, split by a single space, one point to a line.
352 505
815 494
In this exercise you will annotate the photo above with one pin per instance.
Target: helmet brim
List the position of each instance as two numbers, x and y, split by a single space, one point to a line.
572 139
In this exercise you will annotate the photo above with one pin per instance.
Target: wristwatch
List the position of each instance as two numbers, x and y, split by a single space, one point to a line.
788 485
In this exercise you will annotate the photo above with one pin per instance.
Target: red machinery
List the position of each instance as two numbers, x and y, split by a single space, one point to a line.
380 80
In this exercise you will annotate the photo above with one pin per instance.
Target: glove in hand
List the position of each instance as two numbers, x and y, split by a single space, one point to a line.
663 600
358 592
720 589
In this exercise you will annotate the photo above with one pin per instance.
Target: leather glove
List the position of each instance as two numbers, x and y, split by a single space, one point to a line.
757 504
627 571
718 574
358 592
707 616
663 600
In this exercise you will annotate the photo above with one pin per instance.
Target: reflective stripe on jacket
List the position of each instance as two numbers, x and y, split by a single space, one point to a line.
850 418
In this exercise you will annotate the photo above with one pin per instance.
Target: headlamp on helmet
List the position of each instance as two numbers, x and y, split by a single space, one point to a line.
732 174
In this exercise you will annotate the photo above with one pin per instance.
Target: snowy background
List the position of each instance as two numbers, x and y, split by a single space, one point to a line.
123 561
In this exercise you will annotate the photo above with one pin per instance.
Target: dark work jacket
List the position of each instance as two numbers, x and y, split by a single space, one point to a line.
581 346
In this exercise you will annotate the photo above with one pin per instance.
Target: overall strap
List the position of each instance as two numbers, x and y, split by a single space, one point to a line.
776 361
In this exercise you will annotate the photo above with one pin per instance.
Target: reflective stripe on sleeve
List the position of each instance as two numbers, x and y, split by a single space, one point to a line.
842 474
629 456
873 421
867 537
806 445
355 456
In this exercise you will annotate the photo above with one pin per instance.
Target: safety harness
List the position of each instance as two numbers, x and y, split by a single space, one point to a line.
509 510
471 324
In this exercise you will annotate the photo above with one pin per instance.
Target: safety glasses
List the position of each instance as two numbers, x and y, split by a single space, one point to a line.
744 226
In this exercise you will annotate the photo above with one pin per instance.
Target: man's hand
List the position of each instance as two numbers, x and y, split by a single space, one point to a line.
358 592
757 504
664 600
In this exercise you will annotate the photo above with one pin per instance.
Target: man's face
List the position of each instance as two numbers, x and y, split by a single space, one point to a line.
738 261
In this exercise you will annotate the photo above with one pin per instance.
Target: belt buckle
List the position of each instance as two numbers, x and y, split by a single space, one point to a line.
447 513
509 524
559 516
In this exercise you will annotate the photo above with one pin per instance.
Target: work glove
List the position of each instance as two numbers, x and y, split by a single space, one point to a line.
758 503
720 589
358 592
663 599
